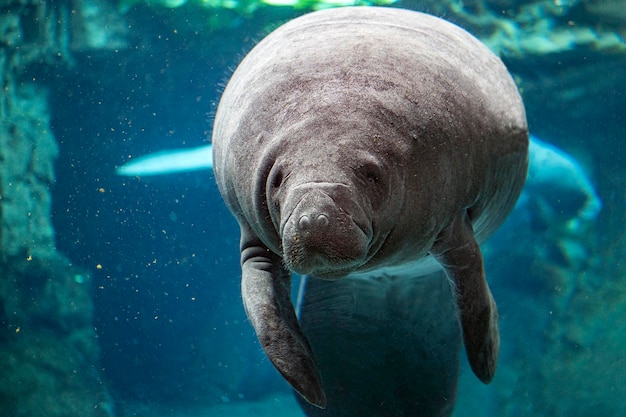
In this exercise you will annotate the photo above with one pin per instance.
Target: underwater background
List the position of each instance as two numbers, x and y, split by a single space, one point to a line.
119 295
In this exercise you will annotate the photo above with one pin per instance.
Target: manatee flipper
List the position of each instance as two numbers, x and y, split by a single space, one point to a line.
459 254
385 346
266 292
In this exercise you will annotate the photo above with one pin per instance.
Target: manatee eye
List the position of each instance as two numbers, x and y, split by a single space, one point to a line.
370 173
372 178
277 179
275 184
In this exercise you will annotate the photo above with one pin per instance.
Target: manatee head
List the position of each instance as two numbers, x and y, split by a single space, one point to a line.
331 206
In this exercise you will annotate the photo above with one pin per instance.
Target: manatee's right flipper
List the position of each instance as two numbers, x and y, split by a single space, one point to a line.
458 252
385 347
266 291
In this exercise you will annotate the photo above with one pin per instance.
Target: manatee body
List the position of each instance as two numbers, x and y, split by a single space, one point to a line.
366 148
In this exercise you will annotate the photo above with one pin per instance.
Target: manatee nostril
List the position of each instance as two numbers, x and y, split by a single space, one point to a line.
322 220
308 221
304 222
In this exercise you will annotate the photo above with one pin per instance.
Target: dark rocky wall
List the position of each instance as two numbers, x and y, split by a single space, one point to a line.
49 358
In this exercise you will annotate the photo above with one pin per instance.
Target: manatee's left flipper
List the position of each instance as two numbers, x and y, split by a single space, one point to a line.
459 254
266 292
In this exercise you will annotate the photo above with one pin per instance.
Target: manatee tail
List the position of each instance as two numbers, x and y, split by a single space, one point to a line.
385 347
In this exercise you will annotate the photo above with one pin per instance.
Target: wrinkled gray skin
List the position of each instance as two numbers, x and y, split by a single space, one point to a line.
362 143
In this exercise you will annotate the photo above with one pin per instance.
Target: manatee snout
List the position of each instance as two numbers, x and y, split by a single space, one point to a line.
321 236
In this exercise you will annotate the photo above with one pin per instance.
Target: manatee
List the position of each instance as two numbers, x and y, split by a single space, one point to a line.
367 148
557 187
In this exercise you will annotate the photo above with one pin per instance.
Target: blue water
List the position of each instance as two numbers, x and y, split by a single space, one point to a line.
164 251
